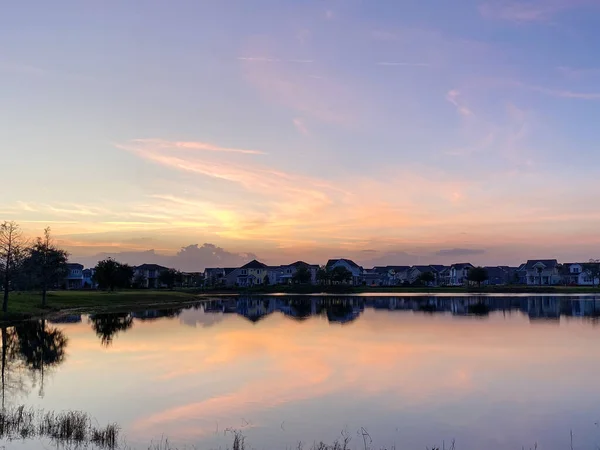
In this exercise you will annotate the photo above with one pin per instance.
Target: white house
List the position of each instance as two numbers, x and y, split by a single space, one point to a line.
74 278
415 273
148 275
542 272
350 265
459 274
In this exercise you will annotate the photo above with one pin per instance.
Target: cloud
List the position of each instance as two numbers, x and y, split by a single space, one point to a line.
205 146
270 60
529 11
402 64
191 258
454 97
565 93
300 126
456 252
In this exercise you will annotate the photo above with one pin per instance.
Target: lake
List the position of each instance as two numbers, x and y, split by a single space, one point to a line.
412 371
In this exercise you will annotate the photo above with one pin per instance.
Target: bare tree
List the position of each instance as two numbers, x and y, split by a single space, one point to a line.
12 246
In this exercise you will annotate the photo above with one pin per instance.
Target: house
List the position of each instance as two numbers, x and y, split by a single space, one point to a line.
392 275
192 279
147 275
497 276
443 274
540 272
349 265
74 278
417 271
215 276
252 274
580 274
459 274
374 278
88 279
285 274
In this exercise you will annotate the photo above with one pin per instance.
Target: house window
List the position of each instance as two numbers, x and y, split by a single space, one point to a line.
258 271
244 272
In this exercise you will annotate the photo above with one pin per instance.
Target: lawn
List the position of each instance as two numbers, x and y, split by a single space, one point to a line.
28 304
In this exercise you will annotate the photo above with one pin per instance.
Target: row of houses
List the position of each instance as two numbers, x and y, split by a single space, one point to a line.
144 276
547 272
544 272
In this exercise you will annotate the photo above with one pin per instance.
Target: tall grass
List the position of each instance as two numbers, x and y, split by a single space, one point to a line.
69 426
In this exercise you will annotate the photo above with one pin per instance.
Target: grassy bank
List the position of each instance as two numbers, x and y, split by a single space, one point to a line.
23 305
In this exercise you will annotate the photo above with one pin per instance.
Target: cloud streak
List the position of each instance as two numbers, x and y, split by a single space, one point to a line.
530 11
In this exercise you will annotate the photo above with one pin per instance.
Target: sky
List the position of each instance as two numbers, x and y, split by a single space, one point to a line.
413 131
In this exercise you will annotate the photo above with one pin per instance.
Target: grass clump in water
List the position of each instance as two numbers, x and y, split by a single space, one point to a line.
68 426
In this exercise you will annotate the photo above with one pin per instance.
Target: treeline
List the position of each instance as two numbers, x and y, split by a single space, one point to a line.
25 264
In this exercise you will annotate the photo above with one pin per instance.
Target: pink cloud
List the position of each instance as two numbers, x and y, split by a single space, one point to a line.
300 126
454 97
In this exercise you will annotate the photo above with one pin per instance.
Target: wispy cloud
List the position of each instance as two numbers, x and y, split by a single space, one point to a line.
300 126
191 145
454 97
272 60
530 11
402 64
562 93
578 73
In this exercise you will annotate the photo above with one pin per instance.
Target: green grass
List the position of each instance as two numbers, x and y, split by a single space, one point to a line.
22 305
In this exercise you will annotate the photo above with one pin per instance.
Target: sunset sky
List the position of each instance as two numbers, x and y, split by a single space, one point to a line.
413 131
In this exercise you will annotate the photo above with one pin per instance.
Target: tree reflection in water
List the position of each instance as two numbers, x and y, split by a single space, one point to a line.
107 326
30 348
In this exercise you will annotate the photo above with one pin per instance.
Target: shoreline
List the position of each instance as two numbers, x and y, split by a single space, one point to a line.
26 305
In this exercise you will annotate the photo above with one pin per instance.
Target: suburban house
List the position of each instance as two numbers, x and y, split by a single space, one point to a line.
459 274
252 274
285 274
147 275
417 271
74 278
215 276
392 275
374 278
88 279
443 275
541 272
497 275
580 274
350 265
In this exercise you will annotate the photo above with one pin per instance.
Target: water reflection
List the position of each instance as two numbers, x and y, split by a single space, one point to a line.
107 326
347 309
30 350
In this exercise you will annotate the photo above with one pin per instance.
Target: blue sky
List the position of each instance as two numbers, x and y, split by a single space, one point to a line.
305 129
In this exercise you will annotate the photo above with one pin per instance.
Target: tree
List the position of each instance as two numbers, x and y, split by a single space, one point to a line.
323 276
478 275
12 246
46 263
139 281
111 274
426 278
341 275
302 275
170 278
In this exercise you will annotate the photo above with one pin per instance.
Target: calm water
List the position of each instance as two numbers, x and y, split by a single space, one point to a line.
414 371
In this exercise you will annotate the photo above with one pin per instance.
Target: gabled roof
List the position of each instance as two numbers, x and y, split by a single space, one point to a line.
302 264
351 263
151 267
461 266
548 263
496 272
439 267
75 266
386 269
424 269
228 270
254 264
